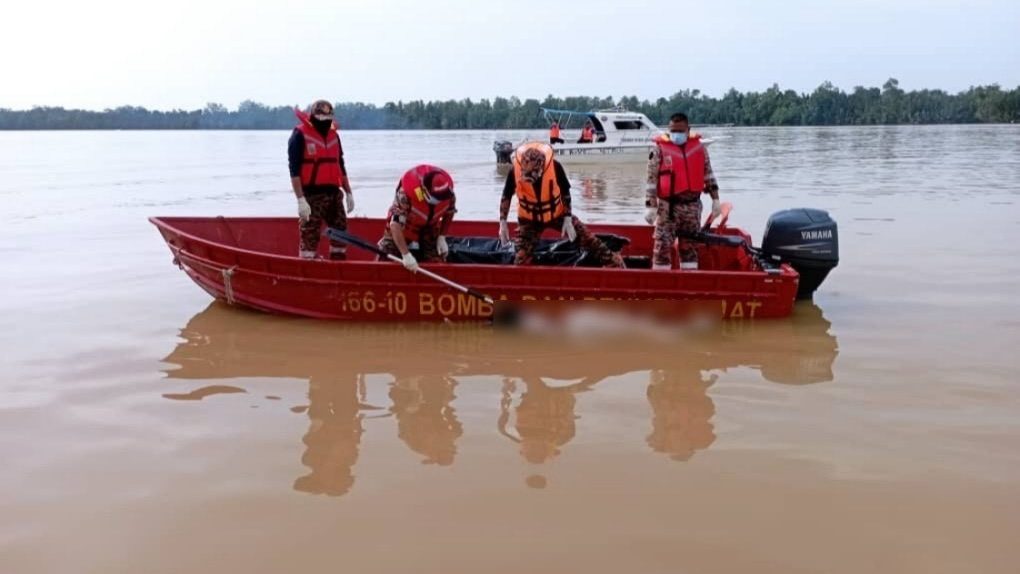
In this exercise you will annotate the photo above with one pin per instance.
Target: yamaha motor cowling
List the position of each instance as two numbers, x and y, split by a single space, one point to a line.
807 240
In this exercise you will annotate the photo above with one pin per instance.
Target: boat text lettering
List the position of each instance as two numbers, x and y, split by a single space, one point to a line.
460 305
817 234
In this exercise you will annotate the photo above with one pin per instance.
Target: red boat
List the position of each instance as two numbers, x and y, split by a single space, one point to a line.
252 262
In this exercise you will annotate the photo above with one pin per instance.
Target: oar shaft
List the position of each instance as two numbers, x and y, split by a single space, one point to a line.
344 236
456 286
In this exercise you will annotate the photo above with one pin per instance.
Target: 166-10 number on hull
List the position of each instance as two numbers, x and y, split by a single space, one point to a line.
392 302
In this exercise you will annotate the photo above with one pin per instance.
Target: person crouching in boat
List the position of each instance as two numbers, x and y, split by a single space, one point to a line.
679 171
554 133
543 202
421 212
317 176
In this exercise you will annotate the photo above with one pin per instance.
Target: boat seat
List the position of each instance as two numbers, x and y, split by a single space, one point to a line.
716 239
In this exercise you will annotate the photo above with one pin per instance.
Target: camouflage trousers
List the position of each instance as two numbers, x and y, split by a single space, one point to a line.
529 233
328 209
673 221
427 249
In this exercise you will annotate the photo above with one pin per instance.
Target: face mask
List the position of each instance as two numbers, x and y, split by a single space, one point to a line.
679 138
322 125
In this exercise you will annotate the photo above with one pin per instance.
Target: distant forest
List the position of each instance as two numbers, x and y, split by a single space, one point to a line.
825 106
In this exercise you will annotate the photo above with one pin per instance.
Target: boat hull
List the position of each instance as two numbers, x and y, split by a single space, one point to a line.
252 262
575 154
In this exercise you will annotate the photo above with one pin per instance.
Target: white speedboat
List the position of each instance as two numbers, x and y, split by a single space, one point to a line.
620 136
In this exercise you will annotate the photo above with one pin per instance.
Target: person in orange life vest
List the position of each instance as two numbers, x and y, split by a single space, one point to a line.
318 176
543 202
679 171
554 133
587 133
422 211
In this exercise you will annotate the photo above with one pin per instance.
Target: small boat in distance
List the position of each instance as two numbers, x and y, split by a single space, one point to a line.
620 136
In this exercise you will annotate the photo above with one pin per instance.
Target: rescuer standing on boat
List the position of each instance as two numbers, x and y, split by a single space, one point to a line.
421 212
317 175
679 171
554 133
543 202
587 133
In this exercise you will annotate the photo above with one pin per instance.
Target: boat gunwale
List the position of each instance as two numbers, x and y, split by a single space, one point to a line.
161 222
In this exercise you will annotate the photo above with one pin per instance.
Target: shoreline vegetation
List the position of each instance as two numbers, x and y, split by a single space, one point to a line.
827 105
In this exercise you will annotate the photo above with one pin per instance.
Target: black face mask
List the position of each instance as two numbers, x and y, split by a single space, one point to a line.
322 126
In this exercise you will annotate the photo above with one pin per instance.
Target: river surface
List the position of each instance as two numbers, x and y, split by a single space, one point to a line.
144 428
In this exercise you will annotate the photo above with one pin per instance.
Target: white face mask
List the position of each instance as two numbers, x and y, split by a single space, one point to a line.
679 138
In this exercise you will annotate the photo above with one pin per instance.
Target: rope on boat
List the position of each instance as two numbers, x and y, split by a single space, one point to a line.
227 286
226 272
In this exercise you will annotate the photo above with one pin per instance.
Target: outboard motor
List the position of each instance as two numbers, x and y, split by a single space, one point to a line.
504 150
807 240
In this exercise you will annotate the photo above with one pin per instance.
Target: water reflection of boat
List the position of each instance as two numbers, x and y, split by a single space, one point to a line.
537 410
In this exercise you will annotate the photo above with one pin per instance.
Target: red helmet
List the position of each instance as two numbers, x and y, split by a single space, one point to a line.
438 185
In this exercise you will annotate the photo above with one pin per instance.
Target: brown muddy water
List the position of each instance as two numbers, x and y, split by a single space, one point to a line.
144 428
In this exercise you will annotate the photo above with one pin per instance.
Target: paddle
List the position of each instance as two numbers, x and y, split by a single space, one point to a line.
359 242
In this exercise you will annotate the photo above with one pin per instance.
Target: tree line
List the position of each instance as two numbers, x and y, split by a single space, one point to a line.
827 105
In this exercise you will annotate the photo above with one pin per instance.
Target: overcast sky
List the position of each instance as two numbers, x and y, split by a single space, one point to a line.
182 54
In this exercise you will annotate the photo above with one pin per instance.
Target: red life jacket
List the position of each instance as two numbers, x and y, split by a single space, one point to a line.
423 215
588 134
681 168
321 163
554 131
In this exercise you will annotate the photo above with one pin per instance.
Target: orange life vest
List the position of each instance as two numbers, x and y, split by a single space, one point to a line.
588 134
554 131
546 202
423 215
681 168
321 163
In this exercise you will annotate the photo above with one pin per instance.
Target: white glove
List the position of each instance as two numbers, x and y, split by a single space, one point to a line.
651 210
304 211
504 233
410 263
716 208
568 228
350 201
442 247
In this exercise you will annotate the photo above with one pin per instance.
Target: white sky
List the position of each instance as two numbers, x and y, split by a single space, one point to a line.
103 53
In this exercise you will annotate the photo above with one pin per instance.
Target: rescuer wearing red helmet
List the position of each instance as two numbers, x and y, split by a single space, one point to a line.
317 175
422 211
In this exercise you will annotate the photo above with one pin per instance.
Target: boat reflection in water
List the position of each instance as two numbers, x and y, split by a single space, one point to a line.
541 379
